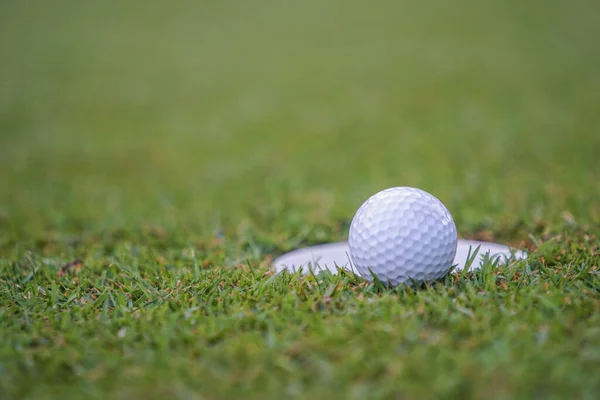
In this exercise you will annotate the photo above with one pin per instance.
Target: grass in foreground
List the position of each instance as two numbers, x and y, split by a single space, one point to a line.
129 323
154 159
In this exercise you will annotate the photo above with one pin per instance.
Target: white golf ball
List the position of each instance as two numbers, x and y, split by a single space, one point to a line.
402 234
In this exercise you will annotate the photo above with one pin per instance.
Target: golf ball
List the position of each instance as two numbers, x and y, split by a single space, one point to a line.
402 234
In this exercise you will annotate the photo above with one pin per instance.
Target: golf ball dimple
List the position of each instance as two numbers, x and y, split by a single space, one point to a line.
402 234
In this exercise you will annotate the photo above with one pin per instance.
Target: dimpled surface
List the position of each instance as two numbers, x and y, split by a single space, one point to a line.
402 233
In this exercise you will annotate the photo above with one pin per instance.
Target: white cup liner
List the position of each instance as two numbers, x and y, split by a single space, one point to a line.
332 256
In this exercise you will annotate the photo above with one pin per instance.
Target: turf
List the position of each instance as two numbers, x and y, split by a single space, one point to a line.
155 157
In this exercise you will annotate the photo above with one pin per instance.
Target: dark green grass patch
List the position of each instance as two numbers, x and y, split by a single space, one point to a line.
155 158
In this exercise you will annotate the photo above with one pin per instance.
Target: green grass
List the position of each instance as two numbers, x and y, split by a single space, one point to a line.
175 149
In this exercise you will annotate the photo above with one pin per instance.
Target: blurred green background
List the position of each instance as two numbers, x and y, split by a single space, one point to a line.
288 114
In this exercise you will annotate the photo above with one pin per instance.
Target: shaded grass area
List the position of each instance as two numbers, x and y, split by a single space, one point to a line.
153 160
